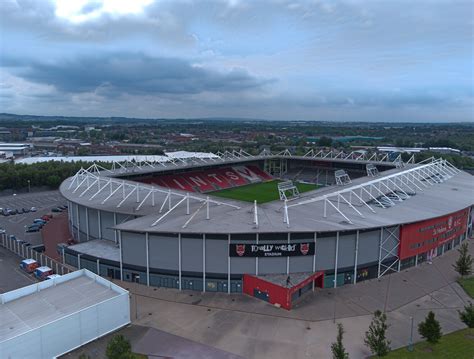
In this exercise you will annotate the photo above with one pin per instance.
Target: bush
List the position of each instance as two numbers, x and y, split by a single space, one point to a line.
375 337
430 329
464 263
467 316
337 348
119 348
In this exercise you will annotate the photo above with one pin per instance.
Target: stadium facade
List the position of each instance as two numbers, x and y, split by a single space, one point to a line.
160 224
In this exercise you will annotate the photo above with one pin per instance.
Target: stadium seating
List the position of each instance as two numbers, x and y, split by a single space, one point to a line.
262 174
211 179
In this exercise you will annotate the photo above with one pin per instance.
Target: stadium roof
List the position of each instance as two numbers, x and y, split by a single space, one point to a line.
430 190
170 156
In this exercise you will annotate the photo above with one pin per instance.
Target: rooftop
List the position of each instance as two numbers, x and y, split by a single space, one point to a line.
98 248
435 189
38 304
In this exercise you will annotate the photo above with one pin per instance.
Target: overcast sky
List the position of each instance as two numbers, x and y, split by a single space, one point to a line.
315 60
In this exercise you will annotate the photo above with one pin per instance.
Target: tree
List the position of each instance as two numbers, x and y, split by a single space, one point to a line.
325 141
375 337
119 348
430 329
337 348
464 263
467 316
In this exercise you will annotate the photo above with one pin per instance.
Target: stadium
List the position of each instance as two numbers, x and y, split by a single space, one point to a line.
274 226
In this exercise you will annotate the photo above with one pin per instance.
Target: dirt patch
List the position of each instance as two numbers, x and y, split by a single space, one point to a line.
428 350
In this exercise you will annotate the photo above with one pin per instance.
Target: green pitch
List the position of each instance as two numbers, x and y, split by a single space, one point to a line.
262 192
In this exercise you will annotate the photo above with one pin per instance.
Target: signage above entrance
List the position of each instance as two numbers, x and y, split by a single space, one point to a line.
271 250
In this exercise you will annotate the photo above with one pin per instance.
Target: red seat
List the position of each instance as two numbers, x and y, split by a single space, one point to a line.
198 180
233 177
261 173
218 180
177 182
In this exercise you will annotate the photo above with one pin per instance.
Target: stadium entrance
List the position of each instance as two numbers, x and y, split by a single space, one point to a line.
281 289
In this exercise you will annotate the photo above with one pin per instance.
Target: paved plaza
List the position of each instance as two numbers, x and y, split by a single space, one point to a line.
254 329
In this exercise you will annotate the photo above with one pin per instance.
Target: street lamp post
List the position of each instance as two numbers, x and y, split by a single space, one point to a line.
410 344
137 279
29 188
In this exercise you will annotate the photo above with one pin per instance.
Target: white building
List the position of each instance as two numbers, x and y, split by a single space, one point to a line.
51 318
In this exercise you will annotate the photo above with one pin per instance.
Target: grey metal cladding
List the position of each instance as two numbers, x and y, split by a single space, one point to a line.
133 248
93 223
217 252
325 253
107 222
122 218
346 252
368 247
163 252
301 264
90 265
82 236
191 254
82 219
271 265
242 265
73 208
391 240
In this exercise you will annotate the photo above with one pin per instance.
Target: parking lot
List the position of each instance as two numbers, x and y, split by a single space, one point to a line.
13 277
15 224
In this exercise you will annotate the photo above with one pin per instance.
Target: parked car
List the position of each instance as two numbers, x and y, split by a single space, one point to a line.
29 265
12 237
46 217
31 229
39 221
53 276
2 231
63 207
56 210
13 211
33 209
43 272
26 210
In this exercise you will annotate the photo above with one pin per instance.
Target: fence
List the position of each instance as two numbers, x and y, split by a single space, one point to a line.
25 251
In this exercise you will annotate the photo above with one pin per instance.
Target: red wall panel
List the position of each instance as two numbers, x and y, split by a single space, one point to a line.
277 294
426 235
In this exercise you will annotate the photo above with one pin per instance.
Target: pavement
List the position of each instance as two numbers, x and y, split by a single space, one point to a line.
156 343
43 201
252 328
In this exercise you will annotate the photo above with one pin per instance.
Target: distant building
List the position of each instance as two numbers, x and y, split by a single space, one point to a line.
16 148
444 150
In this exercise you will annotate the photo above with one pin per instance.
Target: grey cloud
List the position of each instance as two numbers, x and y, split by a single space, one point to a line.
136 74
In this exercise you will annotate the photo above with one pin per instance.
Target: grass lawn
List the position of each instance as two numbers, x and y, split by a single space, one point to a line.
457 345
468 285
140 356
262 192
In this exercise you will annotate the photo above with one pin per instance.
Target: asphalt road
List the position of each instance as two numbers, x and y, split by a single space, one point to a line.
43 201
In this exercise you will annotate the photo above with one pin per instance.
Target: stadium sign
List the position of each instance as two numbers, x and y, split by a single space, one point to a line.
271 250
427 235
